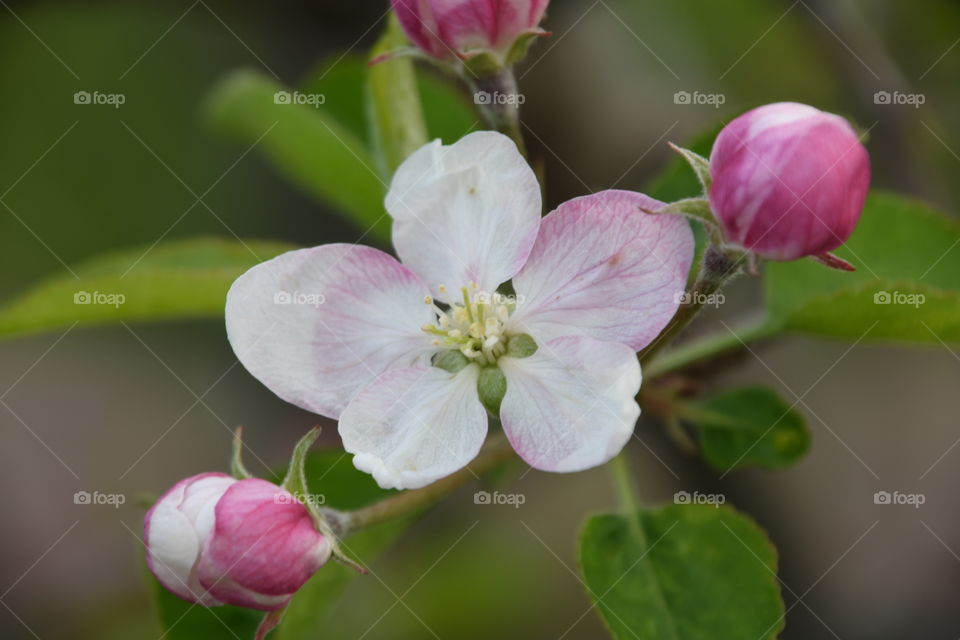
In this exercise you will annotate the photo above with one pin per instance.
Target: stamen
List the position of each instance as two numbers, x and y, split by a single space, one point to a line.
476 326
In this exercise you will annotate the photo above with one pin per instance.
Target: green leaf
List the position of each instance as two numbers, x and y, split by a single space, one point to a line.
449 115
749 427
308 145
906 286
682 572
396 115
184 279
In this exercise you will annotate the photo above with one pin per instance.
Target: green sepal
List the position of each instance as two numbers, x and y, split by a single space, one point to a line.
521 46
393 100
296 483
237 468
699 164
482 63
697 208
521 346
491 386
452 361
296 480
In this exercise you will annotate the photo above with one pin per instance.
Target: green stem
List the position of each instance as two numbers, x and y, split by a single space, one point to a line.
627 495
344 523
716 270
705 349
501 114
396 114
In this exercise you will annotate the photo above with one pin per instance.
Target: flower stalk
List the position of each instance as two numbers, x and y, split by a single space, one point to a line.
498 101
717 268
344 523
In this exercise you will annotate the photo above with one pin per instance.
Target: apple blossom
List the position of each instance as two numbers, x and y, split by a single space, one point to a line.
501 29
788 181
212 539
408 354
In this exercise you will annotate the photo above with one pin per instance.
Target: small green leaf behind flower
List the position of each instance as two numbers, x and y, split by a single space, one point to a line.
177 280
748 427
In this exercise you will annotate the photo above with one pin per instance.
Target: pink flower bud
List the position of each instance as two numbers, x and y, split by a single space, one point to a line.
464 28
788 181
212 539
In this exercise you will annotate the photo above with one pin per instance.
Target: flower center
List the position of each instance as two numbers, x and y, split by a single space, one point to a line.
475 326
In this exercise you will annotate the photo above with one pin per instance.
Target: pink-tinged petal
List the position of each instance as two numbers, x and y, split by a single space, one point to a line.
447 28
602 268
571 405
421 27
316 325
463 213
263 548
172 539
413 426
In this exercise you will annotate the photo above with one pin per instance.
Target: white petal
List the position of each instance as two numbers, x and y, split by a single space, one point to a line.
413 426
571 405
317 325
602 268
171 536
467 212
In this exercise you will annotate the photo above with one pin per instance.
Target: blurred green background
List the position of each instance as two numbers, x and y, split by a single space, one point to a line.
132 410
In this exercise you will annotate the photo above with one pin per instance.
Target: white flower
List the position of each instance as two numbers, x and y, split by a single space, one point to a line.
594 281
